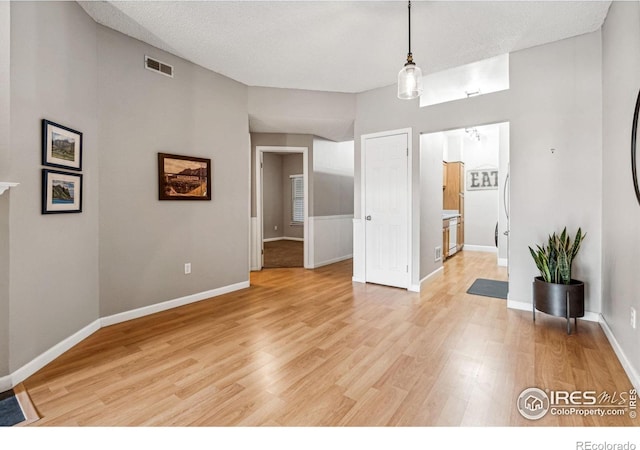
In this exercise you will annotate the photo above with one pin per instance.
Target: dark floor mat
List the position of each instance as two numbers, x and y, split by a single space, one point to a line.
10 411
489 288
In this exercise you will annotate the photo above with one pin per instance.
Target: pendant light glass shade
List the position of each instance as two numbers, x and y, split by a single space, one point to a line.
409 82
410 77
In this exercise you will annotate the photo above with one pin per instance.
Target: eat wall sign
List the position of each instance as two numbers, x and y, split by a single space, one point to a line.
482 179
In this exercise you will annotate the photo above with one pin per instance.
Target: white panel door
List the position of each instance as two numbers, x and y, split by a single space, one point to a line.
386 210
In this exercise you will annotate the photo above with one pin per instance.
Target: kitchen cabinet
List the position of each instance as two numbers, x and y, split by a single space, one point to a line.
453 196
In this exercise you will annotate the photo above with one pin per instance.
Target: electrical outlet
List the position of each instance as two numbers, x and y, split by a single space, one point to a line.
187 268
438 253
275 227
632 318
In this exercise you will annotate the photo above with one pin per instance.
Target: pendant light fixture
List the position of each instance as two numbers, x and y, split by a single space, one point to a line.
410 77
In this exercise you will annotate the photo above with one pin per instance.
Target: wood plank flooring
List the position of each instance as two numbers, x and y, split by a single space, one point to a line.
311 348
285 253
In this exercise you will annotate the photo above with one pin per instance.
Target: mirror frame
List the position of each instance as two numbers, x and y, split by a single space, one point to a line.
634 148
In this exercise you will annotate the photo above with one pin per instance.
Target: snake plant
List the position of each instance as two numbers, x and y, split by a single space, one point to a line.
554 260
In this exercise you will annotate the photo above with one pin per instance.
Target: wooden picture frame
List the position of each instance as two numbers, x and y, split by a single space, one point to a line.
183 177
61 146
61 192
635 161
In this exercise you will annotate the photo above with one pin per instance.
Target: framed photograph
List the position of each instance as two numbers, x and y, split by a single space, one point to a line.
61 146
183 177
61 192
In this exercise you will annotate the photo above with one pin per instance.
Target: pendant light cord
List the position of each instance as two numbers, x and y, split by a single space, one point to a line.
409 26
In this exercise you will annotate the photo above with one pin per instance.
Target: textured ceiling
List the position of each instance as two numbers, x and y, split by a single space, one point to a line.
342 46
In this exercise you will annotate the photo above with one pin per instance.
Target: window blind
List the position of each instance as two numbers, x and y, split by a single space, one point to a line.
297 199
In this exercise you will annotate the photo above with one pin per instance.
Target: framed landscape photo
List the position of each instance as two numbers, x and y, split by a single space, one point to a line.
183 177
61 146
61 192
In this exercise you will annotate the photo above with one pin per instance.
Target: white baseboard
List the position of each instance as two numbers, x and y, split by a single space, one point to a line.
170 304
632 373
331 261
526 306
5 383
414 288
432 274
503 262
45 358
357 280
283 238
11 380
480 248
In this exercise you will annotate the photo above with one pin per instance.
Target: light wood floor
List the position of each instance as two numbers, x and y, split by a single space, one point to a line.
311 348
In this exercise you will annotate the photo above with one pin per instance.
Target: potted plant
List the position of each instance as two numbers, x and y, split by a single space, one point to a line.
555 292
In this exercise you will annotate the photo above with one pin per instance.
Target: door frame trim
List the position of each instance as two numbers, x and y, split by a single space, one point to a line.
410 235
260 150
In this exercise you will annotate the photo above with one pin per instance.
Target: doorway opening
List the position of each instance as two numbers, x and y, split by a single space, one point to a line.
282 207
475 190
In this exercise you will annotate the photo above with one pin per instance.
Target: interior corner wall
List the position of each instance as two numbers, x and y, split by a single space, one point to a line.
272 197
621 212
554 101
53 289
196 113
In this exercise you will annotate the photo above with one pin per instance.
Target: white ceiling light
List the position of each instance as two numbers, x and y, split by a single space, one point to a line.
410 77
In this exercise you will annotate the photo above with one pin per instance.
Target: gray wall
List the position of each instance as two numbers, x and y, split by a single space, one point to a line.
272 196
333 165
291 165
197 113
554 102
5 50
621 212
4 284
431 152
54 258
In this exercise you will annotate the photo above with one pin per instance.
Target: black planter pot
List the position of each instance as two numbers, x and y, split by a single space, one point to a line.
561 300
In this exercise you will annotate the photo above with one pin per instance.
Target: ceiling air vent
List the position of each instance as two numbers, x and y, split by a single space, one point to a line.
158 66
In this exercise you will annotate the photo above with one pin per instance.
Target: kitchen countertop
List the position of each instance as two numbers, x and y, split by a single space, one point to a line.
450 214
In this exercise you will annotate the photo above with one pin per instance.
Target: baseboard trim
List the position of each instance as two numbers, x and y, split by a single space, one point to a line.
480 248
54 352
525 306
331 261
5 383
357 280
432 274
632 373
170 304
283 238
503 262
9 381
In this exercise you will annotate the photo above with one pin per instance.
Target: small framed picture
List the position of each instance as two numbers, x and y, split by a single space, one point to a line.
61 146
61 192
183 177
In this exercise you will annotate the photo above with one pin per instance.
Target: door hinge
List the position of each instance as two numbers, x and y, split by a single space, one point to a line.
407 269
262 252
407 152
